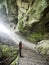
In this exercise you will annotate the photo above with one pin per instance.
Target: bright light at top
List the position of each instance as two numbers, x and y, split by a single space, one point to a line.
4 29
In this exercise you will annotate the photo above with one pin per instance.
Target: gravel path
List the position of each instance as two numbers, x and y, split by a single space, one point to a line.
31 58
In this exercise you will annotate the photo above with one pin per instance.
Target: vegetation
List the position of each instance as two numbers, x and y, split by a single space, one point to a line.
43 49
7 54
33 24
36 27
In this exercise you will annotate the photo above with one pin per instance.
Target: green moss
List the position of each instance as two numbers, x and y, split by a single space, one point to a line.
34 37
43 48
7 52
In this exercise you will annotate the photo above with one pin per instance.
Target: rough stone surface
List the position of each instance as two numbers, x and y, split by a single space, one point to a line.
31 58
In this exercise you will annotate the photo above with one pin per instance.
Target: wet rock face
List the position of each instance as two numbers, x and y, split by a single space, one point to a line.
43 49
1 1
12 8
12 12
33 15
36 19
2 11
46 11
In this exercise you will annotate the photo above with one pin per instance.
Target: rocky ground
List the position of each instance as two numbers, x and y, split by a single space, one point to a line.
30 57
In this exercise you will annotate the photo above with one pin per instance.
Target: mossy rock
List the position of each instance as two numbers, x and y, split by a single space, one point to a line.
7 53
